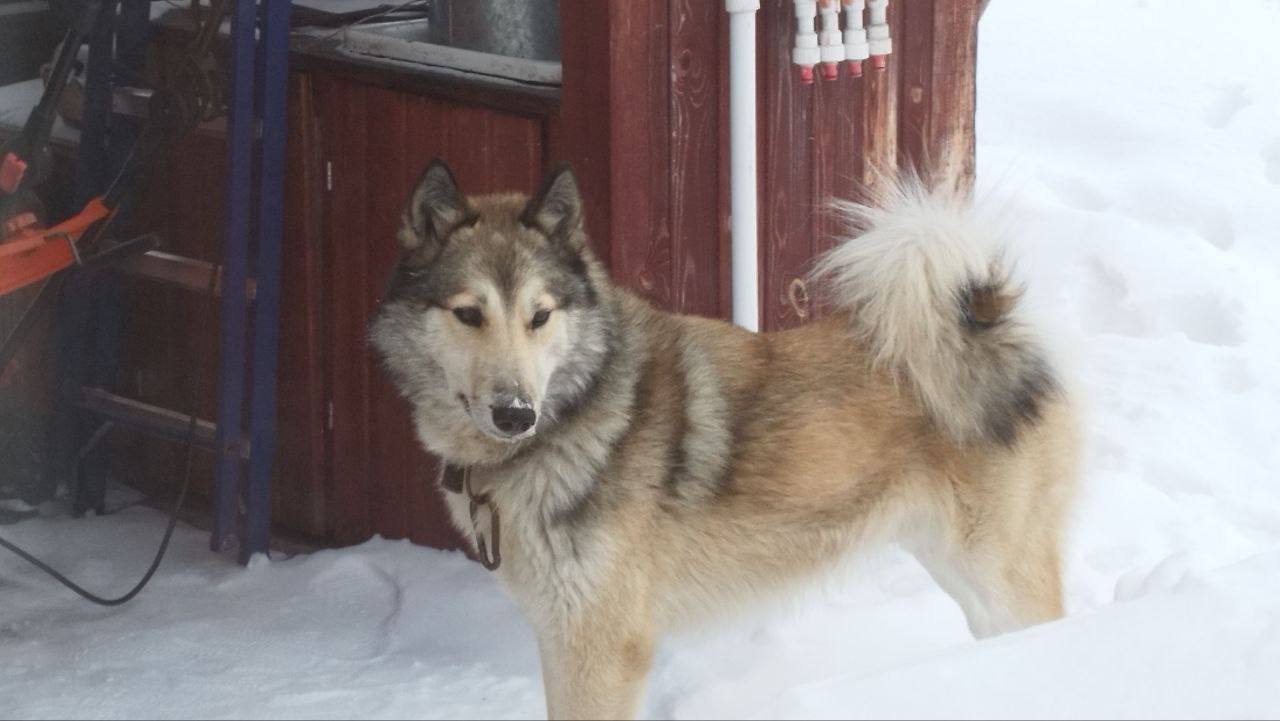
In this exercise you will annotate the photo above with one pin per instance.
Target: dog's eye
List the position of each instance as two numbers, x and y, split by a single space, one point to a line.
540 319
469 316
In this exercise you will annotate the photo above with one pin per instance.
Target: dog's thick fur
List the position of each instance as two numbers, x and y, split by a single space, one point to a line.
680 466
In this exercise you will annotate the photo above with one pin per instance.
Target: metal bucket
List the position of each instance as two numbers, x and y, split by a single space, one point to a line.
514 28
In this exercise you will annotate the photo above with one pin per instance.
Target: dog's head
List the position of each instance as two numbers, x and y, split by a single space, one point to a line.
486 325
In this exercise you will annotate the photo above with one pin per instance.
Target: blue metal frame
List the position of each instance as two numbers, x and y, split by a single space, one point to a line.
239 196
259 90
266 324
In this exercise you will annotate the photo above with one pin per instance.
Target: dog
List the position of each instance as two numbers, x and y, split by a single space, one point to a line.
650 469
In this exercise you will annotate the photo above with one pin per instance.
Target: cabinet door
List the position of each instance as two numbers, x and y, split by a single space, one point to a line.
298 498
377 141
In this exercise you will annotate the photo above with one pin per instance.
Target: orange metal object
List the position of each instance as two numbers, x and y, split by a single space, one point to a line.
37 253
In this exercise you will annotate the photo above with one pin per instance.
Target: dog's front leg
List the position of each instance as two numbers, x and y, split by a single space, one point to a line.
596 672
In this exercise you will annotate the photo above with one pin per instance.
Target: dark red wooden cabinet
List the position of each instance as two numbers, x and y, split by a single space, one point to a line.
376 142
347 464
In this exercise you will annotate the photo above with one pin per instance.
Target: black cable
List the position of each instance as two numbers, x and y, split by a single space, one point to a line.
164 544
155 563
192 426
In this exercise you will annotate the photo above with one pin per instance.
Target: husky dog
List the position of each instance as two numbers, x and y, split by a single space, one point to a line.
650 468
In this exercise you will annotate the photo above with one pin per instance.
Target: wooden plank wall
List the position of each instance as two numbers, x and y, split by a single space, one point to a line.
938 89
655 162
655 180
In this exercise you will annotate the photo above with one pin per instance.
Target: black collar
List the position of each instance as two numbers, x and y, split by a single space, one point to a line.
453 478
457 479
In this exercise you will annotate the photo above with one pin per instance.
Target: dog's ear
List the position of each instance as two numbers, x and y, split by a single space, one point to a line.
435 209
556 209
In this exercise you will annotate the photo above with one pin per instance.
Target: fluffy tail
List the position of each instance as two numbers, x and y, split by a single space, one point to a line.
927 291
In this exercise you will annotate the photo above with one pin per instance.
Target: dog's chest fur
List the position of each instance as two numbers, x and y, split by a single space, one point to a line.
552 559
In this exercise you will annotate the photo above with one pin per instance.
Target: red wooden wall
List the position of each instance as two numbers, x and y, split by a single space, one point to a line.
654 154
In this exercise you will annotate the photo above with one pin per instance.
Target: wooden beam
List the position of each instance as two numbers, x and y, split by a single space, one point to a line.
938 101
880 111
159 421
175 270
581 134
950 141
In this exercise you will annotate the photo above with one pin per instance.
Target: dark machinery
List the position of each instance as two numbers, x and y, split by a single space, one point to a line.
252 93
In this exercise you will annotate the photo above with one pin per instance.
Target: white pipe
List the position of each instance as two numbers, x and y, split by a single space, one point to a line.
744 248
830 42
856 47
878 32
806 53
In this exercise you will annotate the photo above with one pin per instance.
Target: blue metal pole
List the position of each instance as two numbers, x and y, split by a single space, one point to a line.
92 171
266 324
240 142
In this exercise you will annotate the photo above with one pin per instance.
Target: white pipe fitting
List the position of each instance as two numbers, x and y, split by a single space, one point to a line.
806 53
856 47
830 42
744 250
878 35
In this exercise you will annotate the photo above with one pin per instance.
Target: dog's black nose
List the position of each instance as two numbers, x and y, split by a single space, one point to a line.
512 420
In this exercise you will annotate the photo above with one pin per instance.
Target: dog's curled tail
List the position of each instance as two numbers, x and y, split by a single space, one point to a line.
926 289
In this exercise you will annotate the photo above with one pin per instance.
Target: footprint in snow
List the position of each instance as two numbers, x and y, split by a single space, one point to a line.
1236 377
1111 311
1230 100
1174 480
1271 162
1184 208
1206 319
1167 575
1215 225
1077 193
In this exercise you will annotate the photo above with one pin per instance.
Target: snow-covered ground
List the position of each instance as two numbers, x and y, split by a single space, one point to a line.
1139 144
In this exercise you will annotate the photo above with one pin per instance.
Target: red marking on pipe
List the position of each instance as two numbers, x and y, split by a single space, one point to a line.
855 67
806 74
880 61
11 172
830 71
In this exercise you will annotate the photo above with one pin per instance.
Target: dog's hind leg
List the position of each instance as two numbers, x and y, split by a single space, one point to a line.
1003 569
1000 588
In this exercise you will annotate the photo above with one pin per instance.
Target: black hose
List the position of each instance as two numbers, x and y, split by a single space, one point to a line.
192 425
155 563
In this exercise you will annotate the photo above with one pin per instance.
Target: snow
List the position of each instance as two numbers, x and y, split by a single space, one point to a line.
19 99
1135 144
